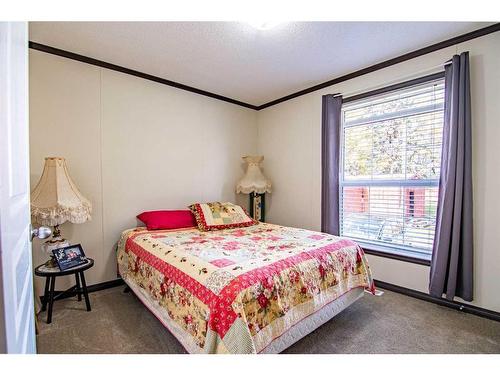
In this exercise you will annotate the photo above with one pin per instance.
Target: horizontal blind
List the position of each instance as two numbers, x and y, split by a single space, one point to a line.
391 156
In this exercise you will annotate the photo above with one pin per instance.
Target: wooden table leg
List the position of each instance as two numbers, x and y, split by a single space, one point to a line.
78 288
85 293
51 298
45 294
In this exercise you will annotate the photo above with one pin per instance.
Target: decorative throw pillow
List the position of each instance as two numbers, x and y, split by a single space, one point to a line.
173 219
217 215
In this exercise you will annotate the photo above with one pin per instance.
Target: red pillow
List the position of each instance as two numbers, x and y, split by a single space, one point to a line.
173 219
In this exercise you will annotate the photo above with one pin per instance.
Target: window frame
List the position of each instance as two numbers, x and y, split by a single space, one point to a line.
370 248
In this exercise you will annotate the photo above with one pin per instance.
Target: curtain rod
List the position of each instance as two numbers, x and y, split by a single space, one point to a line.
434 69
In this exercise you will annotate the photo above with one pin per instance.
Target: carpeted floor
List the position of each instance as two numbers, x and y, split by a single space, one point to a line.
393 323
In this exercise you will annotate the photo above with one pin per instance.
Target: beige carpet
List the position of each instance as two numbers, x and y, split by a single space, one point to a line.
393 323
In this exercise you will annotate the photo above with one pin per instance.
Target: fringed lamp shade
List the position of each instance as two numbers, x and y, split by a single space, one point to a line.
255 184
56 199
253 181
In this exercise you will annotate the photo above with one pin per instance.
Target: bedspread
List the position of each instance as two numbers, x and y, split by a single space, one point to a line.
236 290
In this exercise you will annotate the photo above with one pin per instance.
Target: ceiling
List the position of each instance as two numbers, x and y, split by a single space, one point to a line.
237 61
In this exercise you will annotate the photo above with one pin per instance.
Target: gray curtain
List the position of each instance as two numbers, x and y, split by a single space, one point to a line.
451 266
330 159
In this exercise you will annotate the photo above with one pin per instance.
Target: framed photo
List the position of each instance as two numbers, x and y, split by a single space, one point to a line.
69 256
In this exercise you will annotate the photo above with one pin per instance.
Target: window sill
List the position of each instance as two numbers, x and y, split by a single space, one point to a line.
402 256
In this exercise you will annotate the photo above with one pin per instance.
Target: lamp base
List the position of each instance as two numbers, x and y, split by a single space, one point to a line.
56 242
257 206
51 263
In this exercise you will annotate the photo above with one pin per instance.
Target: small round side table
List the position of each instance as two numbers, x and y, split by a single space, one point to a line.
50 274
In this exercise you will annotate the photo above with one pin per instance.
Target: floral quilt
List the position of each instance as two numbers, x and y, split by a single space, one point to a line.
236 290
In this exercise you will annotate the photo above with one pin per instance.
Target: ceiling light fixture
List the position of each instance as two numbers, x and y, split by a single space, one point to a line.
264 25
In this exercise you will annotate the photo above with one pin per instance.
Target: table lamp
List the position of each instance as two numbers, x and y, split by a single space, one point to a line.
255 184
56 200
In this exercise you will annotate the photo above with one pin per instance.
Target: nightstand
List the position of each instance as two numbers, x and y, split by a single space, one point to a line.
50 274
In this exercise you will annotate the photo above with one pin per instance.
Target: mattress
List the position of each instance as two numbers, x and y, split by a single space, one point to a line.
245 290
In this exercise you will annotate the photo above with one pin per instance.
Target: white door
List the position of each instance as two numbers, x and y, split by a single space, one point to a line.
17 324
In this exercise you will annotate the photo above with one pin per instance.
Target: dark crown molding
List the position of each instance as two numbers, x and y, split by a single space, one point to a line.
411 55
121 69
384 64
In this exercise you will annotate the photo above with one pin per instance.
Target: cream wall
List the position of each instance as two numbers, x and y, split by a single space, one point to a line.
131 145
289 136
135 145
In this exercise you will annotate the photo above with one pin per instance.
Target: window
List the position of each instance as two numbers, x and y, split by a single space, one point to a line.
390 165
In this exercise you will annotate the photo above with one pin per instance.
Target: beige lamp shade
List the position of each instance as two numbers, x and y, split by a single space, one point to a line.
56 199
253 180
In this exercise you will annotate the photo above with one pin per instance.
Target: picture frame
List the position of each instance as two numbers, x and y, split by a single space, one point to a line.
69 256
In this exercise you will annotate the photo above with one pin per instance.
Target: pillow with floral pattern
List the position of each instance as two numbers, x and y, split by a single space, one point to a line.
217 216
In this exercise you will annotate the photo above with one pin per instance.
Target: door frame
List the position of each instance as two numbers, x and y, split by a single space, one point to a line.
17 315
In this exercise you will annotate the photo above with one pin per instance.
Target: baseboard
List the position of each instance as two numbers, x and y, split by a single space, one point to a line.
105 285
90 289
479 311
470 309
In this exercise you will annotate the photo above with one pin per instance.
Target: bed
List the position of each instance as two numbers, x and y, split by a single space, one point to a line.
256 289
